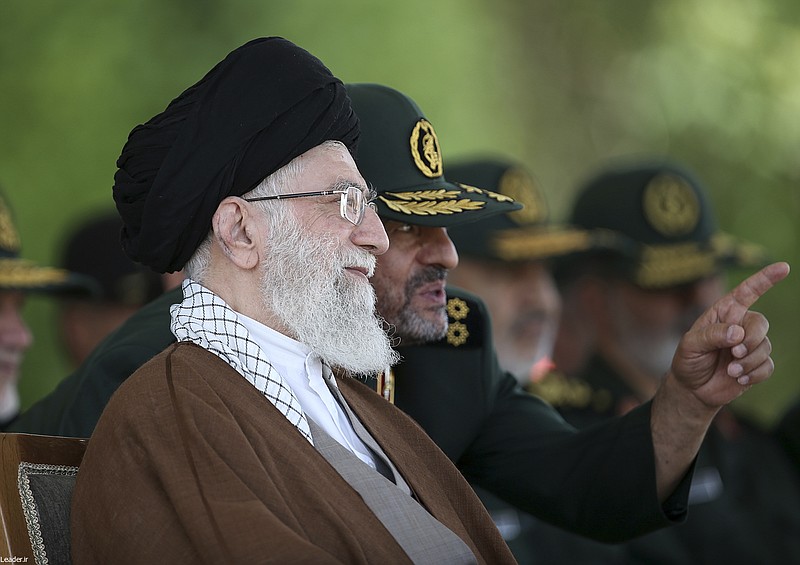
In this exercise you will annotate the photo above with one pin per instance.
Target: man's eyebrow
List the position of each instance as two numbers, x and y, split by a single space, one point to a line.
344 183
341 184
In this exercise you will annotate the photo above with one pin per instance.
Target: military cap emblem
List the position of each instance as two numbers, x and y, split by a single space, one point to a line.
671 205
457 332
520 186
425 149
9 239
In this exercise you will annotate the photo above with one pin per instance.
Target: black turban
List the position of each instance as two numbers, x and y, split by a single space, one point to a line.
266 103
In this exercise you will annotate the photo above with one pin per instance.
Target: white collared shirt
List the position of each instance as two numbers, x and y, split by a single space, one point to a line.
302 370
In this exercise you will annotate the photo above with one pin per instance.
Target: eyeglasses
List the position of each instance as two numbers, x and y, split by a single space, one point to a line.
352 202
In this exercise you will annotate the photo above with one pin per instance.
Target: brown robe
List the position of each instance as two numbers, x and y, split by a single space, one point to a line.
190 463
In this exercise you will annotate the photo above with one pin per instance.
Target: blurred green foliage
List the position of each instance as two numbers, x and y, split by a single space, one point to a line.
561 85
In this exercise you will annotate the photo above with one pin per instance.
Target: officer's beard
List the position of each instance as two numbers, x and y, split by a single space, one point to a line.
412 324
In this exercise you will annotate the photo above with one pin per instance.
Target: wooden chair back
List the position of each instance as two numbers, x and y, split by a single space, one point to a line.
37 474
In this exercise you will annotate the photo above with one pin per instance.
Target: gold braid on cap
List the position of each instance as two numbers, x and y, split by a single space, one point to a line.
21 273
663 266
429 202
9 239
533 243
493 195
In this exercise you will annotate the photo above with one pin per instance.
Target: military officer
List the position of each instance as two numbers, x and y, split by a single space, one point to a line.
19 278
623 315
507 261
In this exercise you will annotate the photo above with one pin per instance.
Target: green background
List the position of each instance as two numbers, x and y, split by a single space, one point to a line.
561 85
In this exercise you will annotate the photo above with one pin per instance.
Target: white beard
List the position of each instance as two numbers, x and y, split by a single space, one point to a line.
325 308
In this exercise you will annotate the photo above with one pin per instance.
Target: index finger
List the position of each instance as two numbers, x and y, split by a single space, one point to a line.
755 286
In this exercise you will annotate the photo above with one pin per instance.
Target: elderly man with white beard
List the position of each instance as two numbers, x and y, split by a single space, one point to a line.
238 443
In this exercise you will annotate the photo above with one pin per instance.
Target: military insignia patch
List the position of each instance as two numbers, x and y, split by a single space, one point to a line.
9 239
671 205
465 322
457 332
519 185
425 149
457 309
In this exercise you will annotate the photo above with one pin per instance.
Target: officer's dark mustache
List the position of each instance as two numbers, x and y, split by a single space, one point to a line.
428 275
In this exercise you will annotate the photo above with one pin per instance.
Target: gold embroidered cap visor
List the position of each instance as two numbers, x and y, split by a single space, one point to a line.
501 238
442 205
399 156
663 266
536 243
24 275
521 235
21 274
664 210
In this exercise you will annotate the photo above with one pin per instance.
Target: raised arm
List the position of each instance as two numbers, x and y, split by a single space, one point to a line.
724 353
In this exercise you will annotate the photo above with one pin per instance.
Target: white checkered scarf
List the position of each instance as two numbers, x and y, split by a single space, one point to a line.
203 318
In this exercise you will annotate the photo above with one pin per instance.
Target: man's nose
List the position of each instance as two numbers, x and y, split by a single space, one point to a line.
370 233
438 249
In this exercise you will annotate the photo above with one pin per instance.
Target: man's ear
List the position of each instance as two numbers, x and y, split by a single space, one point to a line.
236 233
